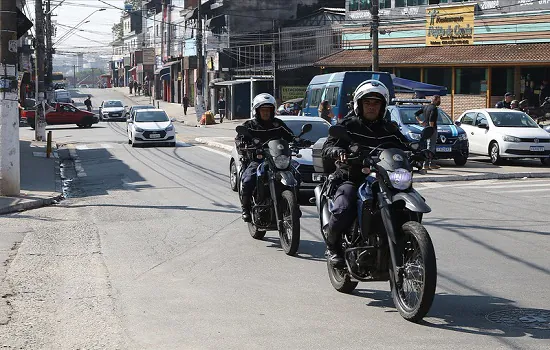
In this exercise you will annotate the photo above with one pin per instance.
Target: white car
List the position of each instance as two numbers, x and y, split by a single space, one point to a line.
151 126
112 110
304 164
504 134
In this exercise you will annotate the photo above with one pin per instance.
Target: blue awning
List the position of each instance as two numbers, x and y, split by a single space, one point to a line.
416 86
162 71
165 76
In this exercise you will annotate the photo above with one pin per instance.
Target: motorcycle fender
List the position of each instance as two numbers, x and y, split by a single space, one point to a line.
413 201
287 178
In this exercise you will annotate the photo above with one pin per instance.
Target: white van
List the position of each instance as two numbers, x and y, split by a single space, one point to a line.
63 96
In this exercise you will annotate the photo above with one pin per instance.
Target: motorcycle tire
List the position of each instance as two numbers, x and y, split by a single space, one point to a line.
340 279
254 232
420 241
290 235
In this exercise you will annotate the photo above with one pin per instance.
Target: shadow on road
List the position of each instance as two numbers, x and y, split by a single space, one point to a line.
169 207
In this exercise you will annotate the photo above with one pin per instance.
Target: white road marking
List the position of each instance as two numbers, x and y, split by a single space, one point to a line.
82 147
222 153
77 166
106 145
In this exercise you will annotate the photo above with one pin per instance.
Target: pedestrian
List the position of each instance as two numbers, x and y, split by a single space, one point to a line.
185 104
431 114
506 102
139 89
325 111
88 103
221 108
135 87
131 85
544 91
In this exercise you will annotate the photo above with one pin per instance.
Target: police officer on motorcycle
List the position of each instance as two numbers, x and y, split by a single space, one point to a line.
264 127
366 126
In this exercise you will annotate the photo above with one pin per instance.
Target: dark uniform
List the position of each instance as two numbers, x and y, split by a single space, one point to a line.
345 200
264 131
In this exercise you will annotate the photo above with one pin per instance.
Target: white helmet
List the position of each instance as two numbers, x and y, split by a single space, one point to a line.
373 89
261 100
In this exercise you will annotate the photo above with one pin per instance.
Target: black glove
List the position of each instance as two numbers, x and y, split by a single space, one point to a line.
336 152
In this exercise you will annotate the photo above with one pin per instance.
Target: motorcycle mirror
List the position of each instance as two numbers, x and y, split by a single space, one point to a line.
427 132
339 132
306 128
242 130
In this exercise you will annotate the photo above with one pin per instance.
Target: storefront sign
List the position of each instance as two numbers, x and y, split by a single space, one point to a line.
291 92
449 26
149 55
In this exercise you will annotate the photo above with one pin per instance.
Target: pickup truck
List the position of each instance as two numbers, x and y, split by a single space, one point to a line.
63 113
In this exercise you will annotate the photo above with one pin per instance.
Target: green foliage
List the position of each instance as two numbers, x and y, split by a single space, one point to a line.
118 30
135 3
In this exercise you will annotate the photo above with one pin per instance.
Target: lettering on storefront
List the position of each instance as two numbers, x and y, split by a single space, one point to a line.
450 26
291 92
489 5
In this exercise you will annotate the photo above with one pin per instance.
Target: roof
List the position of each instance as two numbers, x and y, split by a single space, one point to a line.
430 55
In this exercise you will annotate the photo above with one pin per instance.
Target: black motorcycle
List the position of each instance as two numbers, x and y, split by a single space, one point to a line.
393 245
274 200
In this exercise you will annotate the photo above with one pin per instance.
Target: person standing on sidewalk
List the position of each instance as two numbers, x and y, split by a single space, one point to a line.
135 87
131 85
88 103
185 104
221 108
430 119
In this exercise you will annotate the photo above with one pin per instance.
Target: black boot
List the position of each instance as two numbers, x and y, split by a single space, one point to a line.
246 209
334 251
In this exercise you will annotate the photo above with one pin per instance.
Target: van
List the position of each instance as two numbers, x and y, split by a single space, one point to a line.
338 88
63 96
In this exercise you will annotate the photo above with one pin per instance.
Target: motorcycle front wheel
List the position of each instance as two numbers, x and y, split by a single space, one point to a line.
414 296
290 232
254 232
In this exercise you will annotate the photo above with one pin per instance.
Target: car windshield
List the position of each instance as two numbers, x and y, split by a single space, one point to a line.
408 117
512 119
135 108
151 116
113 104
319 129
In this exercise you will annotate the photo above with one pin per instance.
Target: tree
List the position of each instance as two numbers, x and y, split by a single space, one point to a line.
118 30
136 4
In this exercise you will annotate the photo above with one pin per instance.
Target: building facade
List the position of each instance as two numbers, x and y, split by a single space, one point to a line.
479 50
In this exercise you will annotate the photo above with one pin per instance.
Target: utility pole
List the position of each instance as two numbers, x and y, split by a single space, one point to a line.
74 75
49 54
374 35
273 62
162 31
40 119
199 105
10 168
169 31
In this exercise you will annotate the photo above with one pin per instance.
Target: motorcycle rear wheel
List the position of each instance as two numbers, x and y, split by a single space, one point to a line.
290 233
420 274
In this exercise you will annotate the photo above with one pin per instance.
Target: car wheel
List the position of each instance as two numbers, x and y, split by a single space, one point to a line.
545 161
233 176
494 153
129 141
80 125
460 160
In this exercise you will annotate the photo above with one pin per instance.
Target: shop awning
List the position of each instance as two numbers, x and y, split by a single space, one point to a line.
165 76
416 86
162 71
231 82
473 55
132 69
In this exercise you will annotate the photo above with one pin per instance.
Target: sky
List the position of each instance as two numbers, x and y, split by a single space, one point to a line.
96 34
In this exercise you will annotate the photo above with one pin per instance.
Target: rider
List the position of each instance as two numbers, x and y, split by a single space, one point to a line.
263 126
88 103
367 127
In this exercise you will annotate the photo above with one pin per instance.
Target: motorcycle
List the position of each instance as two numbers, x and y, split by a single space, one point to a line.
393 244
274 200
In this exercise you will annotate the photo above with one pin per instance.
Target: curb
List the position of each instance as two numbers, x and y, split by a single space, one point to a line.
31 204
214 144
477 177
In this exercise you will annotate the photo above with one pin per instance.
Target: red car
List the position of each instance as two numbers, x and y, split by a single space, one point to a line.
64 113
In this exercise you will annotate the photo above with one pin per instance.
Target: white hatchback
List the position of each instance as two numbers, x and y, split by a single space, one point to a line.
504 134
151 126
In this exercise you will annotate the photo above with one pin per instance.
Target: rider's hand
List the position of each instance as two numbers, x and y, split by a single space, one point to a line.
343 157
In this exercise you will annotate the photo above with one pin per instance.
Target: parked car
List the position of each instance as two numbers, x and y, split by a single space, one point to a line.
63 96
304 165
83 85
112 110
63 113
452 141
504 134
151 126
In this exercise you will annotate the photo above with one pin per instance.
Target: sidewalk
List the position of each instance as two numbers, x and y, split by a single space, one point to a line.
175 110
39 179
478 169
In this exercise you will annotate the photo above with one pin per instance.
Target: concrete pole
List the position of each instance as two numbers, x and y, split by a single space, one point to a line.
40 119
49 54
374 33
9 116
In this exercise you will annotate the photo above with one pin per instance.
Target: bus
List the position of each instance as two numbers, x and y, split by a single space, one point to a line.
58 81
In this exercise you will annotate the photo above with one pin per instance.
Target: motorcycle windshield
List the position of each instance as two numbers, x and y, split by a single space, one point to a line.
278 147
394 158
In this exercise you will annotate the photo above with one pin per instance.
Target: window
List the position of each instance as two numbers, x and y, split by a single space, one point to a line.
316 97
334 98
480 119
439 76
354 5
384 4
408 73
468 119
364 4
468 80
502 80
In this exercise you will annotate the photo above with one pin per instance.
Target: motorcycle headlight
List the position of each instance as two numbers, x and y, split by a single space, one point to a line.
401 179
462 137
282 161
508 138
414 136
170 127
138 129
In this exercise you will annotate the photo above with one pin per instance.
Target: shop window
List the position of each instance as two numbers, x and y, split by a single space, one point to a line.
385 4
408 73
468 80
364 5
354 5
502 80
439 76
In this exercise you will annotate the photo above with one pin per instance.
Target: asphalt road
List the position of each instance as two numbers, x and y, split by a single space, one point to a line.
149 252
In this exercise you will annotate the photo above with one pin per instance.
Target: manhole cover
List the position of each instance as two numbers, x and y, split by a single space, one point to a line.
524 318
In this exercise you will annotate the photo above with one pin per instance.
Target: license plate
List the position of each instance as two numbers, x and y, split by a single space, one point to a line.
317 177
536 148
115 115
443 149
154 136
